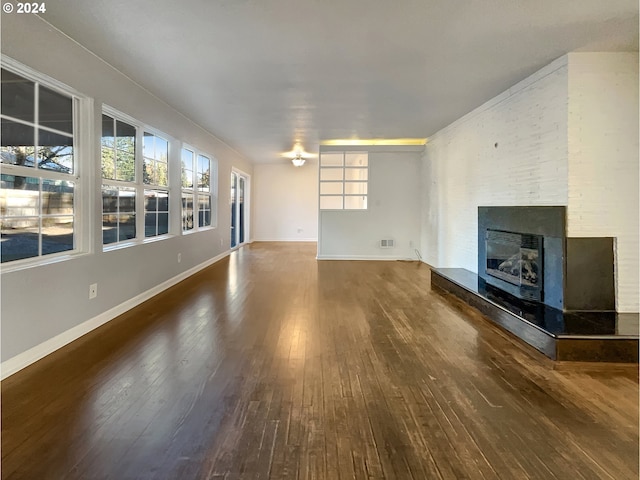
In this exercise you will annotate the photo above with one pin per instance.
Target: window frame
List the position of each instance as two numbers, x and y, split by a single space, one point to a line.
343 181
195 191
138 183
81 115
156 187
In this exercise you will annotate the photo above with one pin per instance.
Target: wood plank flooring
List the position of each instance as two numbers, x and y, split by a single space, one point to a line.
270 364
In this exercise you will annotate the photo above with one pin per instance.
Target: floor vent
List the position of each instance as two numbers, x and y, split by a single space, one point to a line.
386 243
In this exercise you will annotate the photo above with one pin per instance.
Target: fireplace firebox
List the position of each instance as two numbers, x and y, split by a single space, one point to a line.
516 258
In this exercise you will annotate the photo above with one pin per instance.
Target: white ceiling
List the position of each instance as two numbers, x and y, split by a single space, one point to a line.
261 74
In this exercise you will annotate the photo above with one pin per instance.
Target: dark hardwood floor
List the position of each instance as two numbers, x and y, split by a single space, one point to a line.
270 364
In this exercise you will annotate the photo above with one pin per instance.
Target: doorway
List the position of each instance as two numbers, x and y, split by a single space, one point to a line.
239 194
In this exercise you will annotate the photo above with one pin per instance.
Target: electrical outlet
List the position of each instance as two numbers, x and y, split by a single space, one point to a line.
93 290
410 243
179 257
299 230
221 242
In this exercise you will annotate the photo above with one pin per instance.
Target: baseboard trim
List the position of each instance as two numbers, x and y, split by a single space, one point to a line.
360 257
28 357
286 240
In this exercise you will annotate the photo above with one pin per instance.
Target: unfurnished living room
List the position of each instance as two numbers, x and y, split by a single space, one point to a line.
302 239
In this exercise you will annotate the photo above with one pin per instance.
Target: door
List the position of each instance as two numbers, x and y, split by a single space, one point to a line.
239 187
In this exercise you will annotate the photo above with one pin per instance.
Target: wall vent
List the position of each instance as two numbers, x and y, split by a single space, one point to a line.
386 243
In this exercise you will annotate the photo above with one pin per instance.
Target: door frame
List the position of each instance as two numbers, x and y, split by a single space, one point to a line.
246 203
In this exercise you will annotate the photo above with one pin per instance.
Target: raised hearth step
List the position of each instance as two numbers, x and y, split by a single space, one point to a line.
569 336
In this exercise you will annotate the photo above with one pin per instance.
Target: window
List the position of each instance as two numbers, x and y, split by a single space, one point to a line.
135 185
188 159
38 152
156 201
343 180
119 180
197 193
204 190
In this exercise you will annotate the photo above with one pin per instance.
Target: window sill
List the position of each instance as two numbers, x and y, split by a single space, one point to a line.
40 261
132 243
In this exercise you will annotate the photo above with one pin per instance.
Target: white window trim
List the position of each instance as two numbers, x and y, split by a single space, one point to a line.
138 184
212 194
83 137
343 182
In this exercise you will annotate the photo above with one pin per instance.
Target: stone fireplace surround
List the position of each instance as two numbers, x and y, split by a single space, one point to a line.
578 273
576 319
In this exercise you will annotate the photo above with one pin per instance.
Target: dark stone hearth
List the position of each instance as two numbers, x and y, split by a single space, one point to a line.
570 336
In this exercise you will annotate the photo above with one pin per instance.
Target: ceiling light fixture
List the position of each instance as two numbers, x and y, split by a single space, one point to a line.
298 161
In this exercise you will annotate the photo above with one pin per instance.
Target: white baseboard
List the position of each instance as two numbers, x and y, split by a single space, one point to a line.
360 257
26 358
286 240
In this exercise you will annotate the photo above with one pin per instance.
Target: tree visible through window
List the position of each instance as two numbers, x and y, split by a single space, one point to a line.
37 194
119 180
196 190
155 155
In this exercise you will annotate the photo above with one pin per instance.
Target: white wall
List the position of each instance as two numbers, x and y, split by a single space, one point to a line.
567 135
45 306
393 213
463 168
603 159
285 202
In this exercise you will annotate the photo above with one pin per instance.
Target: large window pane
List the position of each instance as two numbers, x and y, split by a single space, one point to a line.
19 238
356 159
17 144
150 224
330 188
57 197
118 150
125 137
187 168
125 143
109 199
108 132
331 174
163 174
55 152
109 229
163 201
118 219
355 203
150 172
331 203
126 227
57 234
156 212
204 173
37 210
118 228
163 223
127 200
18 97
20 196
187 212
331 159
148 145
161 150
55 110
125 166
355 173
204 211
350 180
351 188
